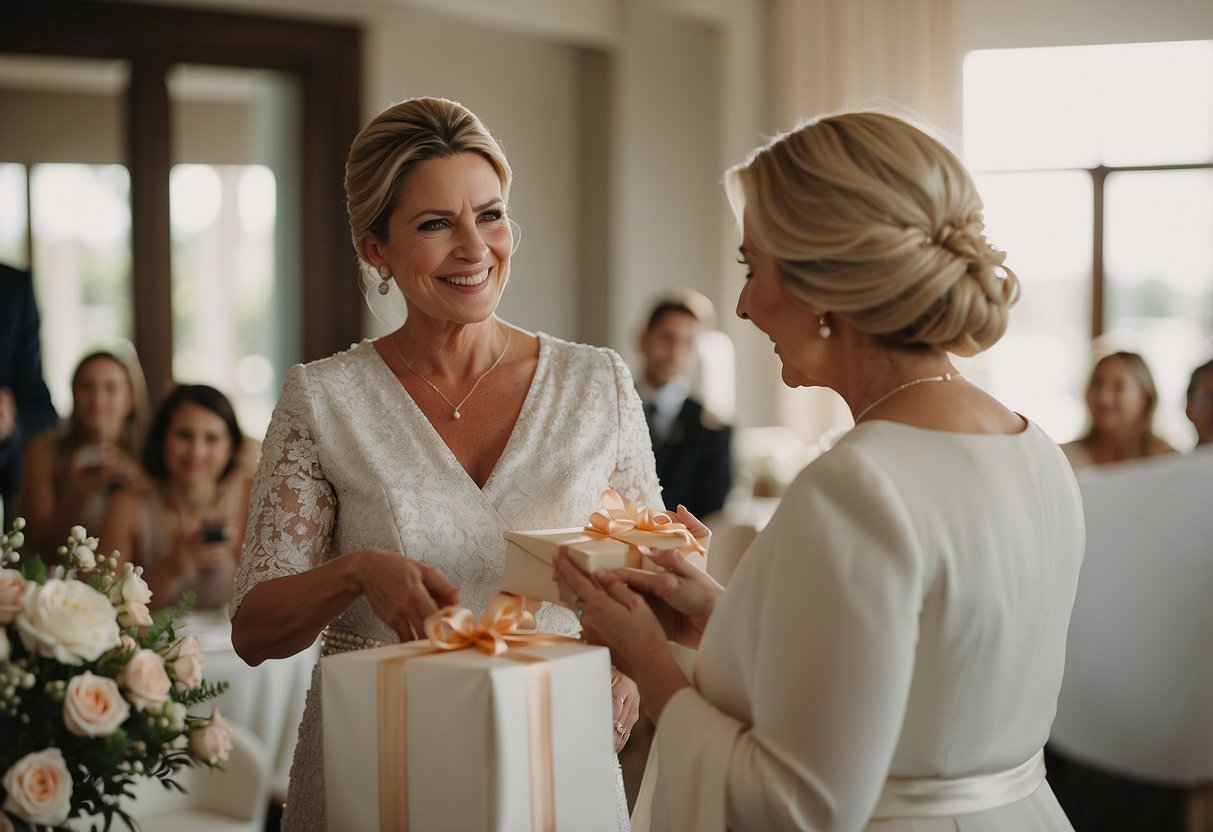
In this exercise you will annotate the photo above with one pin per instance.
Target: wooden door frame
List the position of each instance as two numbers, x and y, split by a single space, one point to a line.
326 61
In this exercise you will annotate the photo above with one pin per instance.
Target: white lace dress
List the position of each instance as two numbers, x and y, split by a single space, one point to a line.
350 462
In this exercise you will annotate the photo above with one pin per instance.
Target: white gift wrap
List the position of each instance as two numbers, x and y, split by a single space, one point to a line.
529 556
468 760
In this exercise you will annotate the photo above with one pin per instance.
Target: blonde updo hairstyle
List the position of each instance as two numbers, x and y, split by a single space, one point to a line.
387 151
869 216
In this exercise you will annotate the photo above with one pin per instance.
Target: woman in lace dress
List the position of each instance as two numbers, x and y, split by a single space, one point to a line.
888 654
390 471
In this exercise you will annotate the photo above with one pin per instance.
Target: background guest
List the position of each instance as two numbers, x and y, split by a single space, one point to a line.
1121 399
71 472
25 403
889 652
186 528
692 445
391 471
1200 403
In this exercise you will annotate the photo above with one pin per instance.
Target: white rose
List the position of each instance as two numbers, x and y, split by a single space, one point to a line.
188 661
68 621
146 683
39 788
213 741
93 706
13 589
130 588
135 615
6 649
84 557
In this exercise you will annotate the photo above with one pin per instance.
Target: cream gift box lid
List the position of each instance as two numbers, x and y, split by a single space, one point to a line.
468 760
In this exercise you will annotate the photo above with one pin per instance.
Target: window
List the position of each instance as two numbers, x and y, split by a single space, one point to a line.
1096 167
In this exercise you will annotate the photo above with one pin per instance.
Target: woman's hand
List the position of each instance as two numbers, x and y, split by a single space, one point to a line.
614 616
625 705
681 596
401 591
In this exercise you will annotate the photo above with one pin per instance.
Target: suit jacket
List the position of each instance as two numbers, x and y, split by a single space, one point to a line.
21 372
694 461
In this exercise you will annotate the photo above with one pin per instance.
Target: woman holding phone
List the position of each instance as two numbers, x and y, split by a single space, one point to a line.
187 528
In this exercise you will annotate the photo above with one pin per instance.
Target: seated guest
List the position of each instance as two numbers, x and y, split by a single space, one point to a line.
1121 399
187 527
691 445
71 472
889 652
1200 403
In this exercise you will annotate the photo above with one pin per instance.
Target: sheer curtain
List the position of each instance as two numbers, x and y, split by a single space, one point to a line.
899 56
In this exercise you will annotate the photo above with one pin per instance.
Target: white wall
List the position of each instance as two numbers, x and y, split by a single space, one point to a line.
992 24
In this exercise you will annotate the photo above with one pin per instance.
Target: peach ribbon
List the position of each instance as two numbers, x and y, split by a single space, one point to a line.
616 518
455 628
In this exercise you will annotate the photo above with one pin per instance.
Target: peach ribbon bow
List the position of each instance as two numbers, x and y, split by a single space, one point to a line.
616 518
455 628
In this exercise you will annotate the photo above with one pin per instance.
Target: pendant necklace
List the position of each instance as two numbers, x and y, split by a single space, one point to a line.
509 331
899 388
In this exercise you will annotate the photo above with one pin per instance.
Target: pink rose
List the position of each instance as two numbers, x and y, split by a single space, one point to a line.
135 614
146 683
93 706
213 741
39 788
188 661
13 589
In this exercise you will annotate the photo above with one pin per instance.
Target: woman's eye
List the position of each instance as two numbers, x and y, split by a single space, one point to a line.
494 215
748 273
433 225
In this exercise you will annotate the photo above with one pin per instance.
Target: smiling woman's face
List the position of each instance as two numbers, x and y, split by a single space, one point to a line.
1118 403
767 303
449 242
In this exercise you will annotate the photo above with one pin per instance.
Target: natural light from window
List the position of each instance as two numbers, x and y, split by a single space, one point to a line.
1044 129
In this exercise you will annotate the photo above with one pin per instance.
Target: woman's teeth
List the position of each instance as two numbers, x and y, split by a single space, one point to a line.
470 280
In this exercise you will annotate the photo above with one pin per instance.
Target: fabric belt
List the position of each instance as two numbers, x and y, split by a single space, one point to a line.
932 797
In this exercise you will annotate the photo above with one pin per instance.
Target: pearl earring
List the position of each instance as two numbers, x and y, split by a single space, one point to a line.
385 274
823 329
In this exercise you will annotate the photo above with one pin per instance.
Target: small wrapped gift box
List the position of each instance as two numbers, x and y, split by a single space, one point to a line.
426 737
609 540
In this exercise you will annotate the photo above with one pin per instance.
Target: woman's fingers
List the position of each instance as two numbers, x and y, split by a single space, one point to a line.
576 581
697 529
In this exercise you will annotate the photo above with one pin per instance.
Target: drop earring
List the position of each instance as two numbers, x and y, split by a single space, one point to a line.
385 275
823 329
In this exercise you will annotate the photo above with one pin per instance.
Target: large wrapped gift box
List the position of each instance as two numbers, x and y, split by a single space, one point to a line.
429 741
610 540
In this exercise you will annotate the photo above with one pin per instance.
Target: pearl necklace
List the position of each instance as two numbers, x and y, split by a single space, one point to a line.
509 331
908 384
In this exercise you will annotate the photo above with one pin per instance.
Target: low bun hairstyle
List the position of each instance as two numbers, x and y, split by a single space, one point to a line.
396 141
869 216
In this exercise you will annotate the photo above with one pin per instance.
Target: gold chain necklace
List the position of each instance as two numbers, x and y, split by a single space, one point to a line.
509 331
899 388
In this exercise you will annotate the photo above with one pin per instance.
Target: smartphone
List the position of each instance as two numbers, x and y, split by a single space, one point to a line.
213 531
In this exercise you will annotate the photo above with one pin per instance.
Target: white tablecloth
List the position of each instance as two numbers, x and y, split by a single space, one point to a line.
267 699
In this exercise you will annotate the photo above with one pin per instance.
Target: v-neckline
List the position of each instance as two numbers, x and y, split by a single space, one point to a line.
527 402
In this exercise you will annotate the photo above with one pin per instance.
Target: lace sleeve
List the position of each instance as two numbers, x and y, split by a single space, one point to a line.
635 475
292 507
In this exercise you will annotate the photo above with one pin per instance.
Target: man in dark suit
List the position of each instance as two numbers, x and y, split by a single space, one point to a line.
692 445
25 403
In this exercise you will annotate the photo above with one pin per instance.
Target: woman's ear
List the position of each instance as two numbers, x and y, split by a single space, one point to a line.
371 251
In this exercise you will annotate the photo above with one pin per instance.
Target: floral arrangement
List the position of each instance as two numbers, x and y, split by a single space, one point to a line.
94 691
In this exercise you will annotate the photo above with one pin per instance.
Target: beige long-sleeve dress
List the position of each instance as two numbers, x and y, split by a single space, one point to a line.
903 615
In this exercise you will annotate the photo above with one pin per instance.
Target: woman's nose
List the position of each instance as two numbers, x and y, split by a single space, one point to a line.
471 245
741 306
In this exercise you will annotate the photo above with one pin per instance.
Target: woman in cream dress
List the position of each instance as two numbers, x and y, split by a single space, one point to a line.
889 652
390 471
